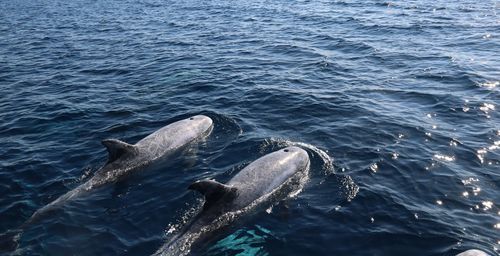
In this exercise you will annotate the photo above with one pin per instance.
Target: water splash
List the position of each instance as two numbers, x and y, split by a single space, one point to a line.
350 188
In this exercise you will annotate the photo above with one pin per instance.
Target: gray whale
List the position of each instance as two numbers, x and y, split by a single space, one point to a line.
252 186
126 158
123 159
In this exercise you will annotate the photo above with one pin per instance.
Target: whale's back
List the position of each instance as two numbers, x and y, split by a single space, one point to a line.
175 135
267 173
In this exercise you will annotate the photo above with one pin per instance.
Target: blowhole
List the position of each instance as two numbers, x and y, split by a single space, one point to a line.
191 118
286 150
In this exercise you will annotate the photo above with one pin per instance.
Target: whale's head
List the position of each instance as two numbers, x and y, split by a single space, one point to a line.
296 157
201 123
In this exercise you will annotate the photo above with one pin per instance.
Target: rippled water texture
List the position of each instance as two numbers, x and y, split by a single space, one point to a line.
396 102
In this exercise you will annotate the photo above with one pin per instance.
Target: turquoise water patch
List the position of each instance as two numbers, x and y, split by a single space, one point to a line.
243 242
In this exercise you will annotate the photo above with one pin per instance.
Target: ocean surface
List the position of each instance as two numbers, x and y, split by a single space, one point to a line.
396 102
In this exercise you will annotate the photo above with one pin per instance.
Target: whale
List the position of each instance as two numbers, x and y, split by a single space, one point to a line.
123 159
472 252
261 181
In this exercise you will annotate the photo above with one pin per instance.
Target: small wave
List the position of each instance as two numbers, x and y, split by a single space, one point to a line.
106 71
489 85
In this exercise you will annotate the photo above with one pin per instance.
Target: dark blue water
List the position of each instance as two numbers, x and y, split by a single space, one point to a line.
396 102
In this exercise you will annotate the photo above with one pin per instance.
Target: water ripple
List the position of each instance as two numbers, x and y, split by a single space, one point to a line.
396 103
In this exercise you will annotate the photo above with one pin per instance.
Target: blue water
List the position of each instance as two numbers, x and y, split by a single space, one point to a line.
397 103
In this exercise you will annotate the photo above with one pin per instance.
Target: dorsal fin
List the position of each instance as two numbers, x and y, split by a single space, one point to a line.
213 191
117 148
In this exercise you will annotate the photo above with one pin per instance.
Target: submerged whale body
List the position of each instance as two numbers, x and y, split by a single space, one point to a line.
126 158
254 184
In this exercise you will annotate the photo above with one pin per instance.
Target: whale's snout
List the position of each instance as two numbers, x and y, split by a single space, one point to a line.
205 123
299 156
